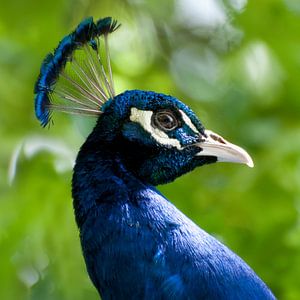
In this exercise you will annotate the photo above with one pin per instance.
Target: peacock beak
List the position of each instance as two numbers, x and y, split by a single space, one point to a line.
214 145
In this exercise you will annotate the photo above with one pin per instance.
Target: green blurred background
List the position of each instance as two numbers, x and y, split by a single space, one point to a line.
236 63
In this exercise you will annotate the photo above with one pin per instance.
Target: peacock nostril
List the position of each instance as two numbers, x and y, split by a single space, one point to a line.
217 138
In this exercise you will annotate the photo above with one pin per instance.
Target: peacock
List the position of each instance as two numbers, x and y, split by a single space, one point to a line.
136 244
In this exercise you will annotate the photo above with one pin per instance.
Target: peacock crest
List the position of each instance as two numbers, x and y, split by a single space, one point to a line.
77 77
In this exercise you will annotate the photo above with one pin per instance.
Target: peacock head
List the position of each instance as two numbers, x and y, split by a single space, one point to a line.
157 137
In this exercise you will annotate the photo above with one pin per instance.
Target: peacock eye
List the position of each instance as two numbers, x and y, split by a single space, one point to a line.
165 120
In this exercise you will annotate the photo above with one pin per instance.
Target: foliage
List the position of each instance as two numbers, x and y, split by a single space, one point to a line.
235 63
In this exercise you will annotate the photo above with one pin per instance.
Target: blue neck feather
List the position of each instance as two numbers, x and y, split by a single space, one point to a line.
137 245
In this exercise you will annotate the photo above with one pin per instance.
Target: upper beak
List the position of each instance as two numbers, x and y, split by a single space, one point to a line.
214 145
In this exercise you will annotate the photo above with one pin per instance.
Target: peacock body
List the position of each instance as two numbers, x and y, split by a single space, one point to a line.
136 243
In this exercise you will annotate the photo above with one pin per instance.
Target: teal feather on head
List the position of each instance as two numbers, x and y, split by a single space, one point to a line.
73 78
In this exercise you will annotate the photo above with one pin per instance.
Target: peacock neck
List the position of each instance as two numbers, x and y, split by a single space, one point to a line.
100 177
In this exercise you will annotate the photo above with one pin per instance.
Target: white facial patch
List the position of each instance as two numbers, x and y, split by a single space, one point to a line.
143 117
188 121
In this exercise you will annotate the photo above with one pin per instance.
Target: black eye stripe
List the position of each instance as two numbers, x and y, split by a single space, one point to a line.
166 119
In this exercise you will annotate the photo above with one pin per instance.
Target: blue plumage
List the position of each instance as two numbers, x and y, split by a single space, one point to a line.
137 244
41 110
86 33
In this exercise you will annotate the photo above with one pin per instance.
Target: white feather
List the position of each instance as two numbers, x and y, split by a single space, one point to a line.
143 117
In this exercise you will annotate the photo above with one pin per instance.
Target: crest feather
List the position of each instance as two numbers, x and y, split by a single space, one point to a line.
74 78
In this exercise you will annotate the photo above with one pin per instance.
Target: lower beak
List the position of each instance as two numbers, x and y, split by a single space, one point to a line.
214 145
